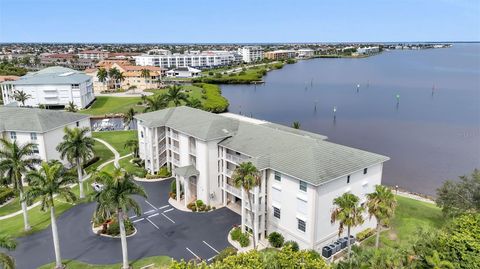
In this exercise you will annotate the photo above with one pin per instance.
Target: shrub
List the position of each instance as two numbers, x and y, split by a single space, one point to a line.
210 73
114 228
244 240
6 194
236 233
229 251
276 239
199 203
292 244
173 186
164 172
364 234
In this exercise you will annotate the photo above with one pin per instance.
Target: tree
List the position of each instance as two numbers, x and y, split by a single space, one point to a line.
6 261
52 179
117 197
296 125
348 213
77 147
247 177
194 103
155 103
71 107
15 161
115 75
175 95
460 196
132 144
381 204
145 73
21 96
36 60
129 117
102 75
436 263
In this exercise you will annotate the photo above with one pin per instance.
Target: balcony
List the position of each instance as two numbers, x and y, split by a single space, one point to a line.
174 148
233 190
163 161
235 158
161 148
192 148
176 162
229 172
174 135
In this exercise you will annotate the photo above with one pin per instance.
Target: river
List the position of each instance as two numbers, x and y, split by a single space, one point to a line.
431 134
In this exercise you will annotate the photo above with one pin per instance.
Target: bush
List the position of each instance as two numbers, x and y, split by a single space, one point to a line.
244 240
229 251
276 239
236 233
292 244
114 228
164 172
173 186
365 234
6 194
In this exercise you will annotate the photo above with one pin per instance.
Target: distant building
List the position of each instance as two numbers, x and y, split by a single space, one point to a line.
93 54
52 86
42 127
205 59
251 53
305 53
280 54
184 72
368 50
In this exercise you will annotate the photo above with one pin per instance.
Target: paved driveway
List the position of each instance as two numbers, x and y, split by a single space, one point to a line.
162 230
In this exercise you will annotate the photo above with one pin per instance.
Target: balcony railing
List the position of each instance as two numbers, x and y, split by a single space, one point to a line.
175 161
161 148
163 161
233 190
174 148
229 172
235 158
174 135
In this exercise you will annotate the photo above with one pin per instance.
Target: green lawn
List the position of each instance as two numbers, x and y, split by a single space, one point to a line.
108 104
103 153
117 139
131 167
159 262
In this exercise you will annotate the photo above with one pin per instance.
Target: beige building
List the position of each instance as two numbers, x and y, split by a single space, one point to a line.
280 54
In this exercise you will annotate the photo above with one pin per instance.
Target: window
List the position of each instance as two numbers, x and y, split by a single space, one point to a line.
276 212
35 148
77 123
33 136
302 185
365 171
302 206
278 176
141 134
13 135
276 195
301 225
348 179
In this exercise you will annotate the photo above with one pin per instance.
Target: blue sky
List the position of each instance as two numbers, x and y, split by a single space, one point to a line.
241 21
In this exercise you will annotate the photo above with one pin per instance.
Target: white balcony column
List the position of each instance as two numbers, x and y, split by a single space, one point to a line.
186 189
243 210
177 182
224 192
255 208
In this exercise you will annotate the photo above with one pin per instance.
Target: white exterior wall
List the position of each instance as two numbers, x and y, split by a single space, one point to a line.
184 60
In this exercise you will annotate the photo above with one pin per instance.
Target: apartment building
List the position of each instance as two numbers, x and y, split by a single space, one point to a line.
204 59
305 53
280 54
93 54
52 86
368 50
301 172
251 53
42 127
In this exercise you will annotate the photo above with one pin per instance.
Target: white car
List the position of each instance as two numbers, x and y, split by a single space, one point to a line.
97 186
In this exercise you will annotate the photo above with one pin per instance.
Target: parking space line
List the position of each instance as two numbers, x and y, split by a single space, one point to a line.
137 220
149 211
168 210
168 218
150 204
153 215
153 224
211 247
193 253
163 206
209 259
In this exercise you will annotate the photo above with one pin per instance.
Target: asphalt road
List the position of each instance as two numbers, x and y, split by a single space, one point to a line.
162 230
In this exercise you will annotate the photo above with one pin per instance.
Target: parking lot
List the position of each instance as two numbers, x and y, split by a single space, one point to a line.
161 230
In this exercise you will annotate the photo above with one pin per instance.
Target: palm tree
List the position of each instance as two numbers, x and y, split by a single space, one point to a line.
145 73
129 117
132 144
102 75
247 177
51 180
296 125
155 103
116 197
113 74
21 96
381 204
349 213
194 103
15 161
175 95
437 263
119 78
77 147
7 262
71 107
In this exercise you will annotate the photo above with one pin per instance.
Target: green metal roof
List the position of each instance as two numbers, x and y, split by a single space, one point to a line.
38 120
301 154
186 171
52 75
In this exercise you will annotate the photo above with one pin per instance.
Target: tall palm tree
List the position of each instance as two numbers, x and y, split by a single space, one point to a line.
381 204
247 177
113 74
155 103
71 107
102 75
15 161
129 117
52 179
6 261
77 147
348 213
175 95
145 73
296 125
120 78
132 144
194 103
116 197
21 96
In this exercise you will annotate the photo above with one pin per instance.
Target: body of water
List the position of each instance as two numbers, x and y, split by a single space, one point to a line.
432 133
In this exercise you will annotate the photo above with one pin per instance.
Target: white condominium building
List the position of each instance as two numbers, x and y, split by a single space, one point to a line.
52 86
93 55
42 127
251 53
201 60
301 172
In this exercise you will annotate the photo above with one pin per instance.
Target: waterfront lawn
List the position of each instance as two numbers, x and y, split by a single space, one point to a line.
117 139
158 262
109 104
